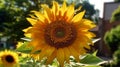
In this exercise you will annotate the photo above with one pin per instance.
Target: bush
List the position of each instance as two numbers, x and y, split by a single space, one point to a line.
116 58
112 38
115 15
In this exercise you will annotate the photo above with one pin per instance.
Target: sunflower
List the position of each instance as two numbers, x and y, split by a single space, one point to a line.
58 33
9 59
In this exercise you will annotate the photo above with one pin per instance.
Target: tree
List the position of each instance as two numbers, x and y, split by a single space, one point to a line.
13 14
90 11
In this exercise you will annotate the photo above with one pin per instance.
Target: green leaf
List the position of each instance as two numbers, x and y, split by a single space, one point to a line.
55 63
90 59
36 52
24 48
95 53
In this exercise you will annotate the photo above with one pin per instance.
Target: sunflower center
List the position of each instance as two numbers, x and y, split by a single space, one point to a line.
9 58
60 34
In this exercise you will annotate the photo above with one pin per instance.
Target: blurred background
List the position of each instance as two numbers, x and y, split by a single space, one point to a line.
13 15
104 13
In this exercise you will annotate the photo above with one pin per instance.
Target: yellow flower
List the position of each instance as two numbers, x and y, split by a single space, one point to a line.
59 33
19 44
9 59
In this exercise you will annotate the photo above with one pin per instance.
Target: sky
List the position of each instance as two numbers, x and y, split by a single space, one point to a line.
99 5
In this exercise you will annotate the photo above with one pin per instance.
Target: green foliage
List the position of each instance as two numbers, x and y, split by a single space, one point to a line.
115 15
116 60
112 38
93 59
13 18
88 60
24 48
116 57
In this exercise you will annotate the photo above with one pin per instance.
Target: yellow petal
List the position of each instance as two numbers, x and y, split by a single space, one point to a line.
89 34
70 12
27 35
32 16
26 30
63 8
83 41
74 53
78 17
55 8
43 52
39 15
67 54
32 21
47 12
36 46
78 9
60 56
86 39
51 57
34 43
85 25
80 48
89 23
50 50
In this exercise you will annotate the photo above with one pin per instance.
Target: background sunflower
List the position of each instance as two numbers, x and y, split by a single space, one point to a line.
9 59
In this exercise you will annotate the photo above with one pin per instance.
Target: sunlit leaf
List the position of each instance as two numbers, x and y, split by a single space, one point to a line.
90 59
24 48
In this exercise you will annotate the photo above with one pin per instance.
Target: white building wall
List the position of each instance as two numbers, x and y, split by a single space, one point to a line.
108 9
